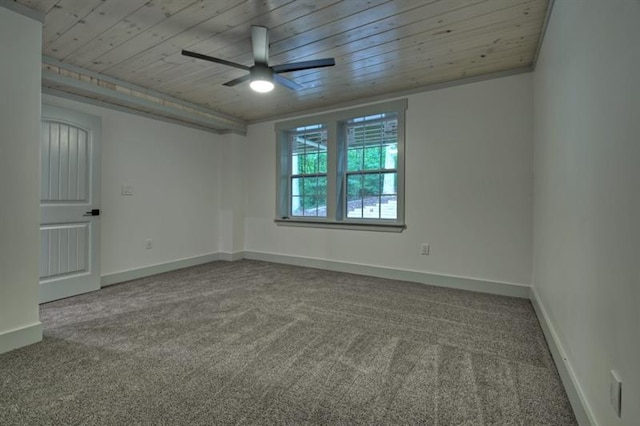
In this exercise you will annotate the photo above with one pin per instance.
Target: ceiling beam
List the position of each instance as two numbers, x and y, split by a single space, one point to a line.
22 10
62 79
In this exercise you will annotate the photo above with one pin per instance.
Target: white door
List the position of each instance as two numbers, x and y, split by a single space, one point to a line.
69 203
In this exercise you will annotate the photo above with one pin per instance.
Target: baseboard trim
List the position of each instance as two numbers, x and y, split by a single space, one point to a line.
231 257
134 274
581 408
449 281
462 283
19 337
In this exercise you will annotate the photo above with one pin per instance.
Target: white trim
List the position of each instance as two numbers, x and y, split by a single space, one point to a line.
134 274
353 226
579 403
19 337
230 257
449 281
23 10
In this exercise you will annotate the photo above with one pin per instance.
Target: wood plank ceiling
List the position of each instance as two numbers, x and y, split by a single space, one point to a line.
381 46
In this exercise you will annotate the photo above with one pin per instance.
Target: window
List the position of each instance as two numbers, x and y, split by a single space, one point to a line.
308 177
372 166
343 169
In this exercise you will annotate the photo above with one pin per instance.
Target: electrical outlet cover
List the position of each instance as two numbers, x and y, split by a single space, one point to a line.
615 393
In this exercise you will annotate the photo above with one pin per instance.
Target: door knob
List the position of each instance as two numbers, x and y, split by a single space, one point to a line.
92 212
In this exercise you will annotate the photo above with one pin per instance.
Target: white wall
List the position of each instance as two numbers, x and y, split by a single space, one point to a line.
232 196
587 195
175 174
468 189
20 44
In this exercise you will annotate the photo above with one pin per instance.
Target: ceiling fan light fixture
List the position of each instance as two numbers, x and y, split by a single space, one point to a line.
261 76
261 86
261 79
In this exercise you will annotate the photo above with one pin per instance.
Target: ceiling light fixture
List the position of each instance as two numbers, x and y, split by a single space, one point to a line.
262 86
261 78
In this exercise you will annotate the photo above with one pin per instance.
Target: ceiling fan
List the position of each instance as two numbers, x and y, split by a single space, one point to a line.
261 75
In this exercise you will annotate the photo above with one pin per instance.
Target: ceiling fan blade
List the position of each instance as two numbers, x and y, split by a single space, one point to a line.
289 84
237 81
260 41
212 59
304 65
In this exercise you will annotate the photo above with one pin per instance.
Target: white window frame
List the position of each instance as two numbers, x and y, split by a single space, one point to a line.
336 171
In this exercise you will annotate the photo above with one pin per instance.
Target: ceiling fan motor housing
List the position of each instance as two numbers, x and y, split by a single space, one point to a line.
261 72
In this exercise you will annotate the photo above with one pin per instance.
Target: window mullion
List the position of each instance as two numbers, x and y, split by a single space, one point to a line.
332 171
400 190
283 184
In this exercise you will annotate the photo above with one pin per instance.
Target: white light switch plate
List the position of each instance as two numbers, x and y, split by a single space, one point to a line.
127 190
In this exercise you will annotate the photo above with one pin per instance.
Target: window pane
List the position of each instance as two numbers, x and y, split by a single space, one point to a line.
309 196
389 207
384 125
354 196
322 162
319 196
296 165
355 157
371 185
377 137
310 163
310 206
296 206
308 149
372 196
371 208
310 185
354 187
390 156
372 158
354 210
310 138
389 183
296 186
322 188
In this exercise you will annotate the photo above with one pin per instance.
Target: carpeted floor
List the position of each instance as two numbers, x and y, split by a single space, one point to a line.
260 343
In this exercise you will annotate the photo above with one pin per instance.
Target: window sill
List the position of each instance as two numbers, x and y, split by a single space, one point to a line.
355 226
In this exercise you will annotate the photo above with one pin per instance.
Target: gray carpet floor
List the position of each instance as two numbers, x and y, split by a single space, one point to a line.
252 342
